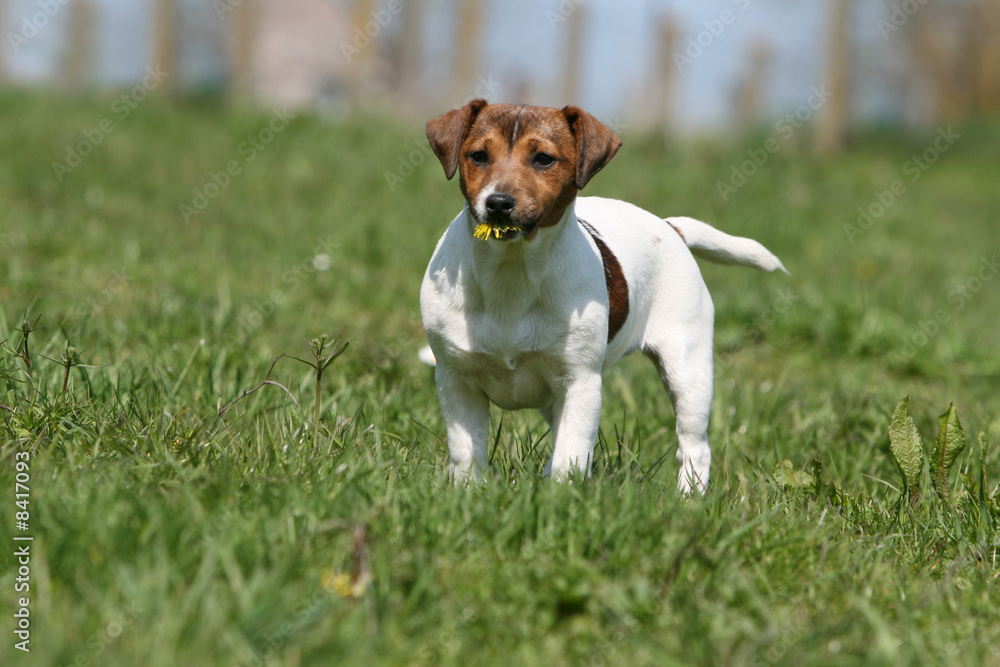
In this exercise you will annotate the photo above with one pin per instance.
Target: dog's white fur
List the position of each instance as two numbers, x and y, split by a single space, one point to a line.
525 325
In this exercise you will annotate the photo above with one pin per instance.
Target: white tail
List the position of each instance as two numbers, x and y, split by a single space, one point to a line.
709 243
425 355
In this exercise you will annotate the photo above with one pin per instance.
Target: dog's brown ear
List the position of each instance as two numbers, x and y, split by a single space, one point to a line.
446 133
596 144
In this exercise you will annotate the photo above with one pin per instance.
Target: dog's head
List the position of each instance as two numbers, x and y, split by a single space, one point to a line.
520 166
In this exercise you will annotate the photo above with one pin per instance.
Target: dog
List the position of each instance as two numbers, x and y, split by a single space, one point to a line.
533 292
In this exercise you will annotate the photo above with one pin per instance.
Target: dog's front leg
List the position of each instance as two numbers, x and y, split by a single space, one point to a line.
575 418
466 412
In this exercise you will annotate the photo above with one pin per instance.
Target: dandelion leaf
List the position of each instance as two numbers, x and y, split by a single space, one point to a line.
787 476
904 442
950 443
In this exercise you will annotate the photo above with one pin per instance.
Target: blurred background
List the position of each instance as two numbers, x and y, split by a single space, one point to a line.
704 67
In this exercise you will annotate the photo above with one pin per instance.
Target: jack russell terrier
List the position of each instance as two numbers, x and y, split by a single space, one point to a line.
532 293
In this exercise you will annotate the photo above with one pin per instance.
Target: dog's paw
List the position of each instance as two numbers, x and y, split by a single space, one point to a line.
691 485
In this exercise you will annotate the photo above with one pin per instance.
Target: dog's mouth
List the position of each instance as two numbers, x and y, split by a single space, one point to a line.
501 228
502 231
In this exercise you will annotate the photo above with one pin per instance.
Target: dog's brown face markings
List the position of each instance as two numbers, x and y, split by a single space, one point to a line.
532 160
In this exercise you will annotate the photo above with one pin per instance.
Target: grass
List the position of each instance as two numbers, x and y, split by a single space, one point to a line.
167 534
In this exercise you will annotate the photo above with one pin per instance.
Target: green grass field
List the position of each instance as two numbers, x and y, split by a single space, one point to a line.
168 534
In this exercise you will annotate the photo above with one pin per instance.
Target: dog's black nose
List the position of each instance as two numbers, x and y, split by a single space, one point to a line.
500 205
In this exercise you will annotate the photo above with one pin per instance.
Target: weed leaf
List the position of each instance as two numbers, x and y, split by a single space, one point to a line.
787 476
950 443
904 442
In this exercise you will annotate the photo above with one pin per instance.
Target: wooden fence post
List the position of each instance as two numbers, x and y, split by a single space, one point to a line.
753 90
241 49
165 43
668 33
3 35
359 68
573 55
465 63
78 56
832 117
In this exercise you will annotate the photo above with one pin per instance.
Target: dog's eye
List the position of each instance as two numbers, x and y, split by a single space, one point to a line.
542 160
479 157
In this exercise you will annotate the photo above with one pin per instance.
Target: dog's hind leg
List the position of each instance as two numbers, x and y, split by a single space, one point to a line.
683 357
687 376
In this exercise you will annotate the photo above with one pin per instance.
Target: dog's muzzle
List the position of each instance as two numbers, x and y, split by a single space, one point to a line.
499 220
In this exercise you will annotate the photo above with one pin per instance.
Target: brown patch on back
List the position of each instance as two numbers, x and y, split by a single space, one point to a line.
614 278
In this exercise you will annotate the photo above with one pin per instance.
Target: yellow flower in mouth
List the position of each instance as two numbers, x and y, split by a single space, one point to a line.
484 229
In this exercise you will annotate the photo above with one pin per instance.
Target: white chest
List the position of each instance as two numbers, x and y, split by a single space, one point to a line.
518 322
